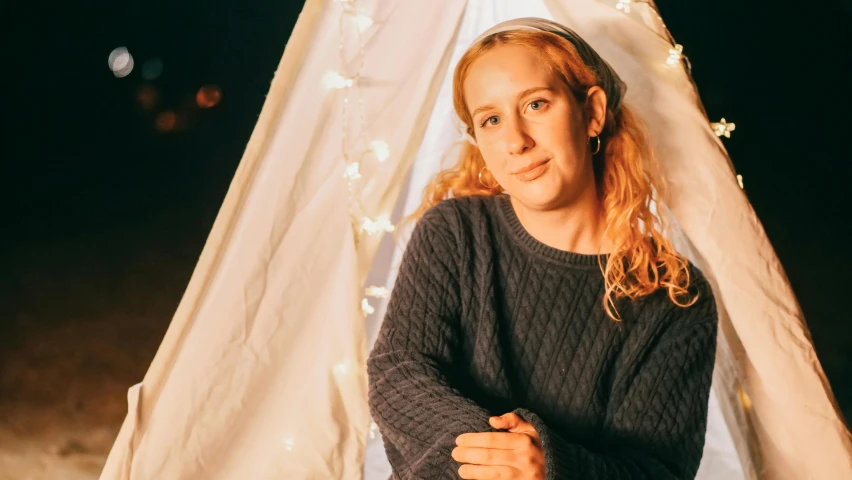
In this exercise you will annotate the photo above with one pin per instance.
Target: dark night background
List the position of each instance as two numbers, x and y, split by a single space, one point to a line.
106 215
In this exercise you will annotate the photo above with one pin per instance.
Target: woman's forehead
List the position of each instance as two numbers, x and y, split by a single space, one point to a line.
509 62
505 71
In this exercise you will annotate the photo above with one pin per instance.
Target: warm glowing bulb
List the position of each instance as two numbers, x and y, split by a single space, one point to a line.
288 444
378 292
740 180
723 129
381 224
675 54
381 149
745 400
366 308
362 21
336 80
352 172
341 368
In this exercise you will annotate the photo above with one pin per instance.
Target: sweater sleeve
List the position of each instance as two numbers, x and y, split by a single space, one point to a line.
417 409
656 429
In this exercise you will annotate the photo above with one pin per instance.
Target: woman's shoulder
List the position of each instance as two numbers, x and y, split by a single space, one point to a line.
697 304
700 287
458 216
694 309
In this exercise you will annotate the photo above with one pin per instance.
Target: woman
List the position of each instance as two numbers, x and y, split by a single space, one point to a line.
541 325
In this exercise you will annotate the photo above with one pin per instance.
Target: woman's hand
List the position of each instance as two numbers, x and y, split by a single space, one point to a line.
515 454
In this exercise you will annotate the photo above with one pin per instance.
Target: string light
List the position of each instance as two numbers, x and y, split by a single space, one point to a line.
350 85
362 21
675 54
740 180
366 308
380 149
341 368
380 225
288 444
377 292
745 400
334 80
624 5
352 172
723 128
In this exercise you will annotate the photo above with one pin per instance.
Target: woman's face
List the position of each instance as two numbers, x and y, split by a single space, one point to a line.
533 134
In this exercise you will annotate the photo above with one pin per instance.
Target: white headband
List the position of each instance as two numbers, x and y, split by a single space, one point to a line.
608 80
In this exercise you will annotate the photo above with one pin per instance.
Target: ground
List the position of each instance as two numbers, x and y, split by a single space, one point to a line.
86 317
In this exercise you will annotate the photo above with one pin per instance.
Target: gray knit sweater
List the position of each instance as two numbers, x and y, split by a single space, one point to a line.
484 319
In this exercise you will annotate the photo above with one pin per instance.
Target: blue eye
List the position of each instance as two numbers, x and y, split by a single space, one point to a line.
540 101
486 121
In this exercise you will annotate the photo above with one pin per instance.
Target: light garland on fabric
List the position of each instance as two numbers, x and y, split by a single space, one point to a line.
366 308
723 128
352 17
379 149
341 368
675 54
288 444
377 292
381 224
745 400
362 21
624 5
336 80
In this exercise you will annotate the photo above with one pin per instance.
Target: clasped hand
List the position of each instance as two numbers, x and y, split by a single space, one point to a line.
516 454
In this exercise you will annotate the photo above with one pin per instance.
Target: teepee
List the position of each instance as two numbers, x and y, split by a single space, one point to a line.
262 372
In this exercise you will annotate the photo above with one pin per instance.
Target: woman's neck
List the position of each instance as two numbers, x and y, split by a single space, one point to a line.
577 228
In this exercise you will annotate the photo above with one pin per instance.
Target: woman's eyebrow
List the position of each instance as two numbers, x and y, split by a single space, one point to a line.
520 95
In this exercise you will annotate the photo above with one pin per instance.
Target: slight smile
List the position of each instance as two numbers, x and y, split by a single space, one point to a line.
531 172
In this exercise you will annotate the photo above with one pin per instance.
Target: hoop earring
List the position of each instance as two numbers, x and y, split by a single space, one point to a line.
598 146
491 187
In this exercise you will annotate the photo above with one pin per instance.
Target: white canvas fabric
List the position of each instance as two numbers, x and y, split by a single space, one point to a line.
262 371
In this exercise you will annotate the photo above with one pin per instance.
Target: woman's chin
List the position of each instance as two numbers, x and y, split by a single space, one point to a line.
539 196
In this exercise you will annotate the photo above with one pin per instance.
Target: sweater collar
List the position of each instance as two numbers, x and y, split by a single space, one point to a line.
522 236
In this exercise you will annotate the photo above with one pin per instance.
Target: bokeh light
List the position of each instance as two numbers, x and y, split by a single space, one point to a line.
152 68
148 97
208 96
166 121
121 62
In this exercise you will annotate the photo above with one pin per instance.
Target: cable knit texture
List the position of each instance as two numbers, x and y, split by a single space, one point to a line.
484 319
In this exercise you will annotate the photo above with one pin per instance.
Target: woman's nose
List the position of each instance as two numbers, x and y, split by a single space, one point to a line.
518 140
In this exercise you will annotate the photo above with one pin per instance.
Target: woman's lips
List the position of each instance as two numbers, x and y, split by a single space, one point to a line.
533 173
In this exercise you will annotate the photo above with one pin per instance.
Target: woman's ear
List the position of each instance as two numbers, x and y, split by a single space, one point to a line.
596 110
